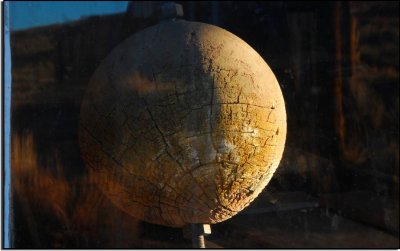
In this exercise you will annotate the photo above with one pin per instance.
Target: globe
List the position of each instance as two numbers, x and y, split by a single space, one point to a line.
182 123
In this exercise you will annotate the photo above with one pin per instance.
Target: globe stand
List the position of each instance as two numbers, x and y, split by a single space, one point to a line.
197 232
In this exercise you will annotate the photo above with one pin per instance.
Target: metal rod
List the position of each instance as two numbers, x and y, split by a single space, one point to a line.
198 236
198 241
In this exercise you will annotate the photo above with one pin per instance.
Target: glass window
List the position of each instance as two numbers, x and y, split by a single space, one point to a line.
188 124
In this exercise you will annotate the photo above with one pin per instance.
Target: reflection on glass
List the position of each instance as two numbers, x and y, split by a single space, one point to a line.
337 184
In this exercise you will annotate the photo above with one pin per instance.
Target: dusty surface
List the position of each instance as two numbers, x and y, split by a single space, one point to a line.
183 123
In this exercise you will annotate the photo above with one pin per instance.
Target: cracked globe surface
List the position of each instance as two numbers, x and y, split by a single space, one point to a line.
182 123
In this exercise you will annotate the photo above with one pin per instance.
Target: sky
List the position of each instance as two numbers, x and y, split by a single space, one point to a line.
27 14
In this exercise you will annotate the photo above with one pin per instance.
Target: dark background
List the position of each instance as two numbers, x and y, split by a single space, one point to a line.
337 184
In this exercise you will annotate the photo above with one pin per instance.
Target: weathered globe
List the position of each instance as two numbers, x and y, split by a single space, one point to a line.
182 123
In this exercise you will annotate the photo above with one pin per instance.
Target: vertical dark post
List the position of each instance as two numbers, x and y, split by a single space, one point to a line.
214 12
340 122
